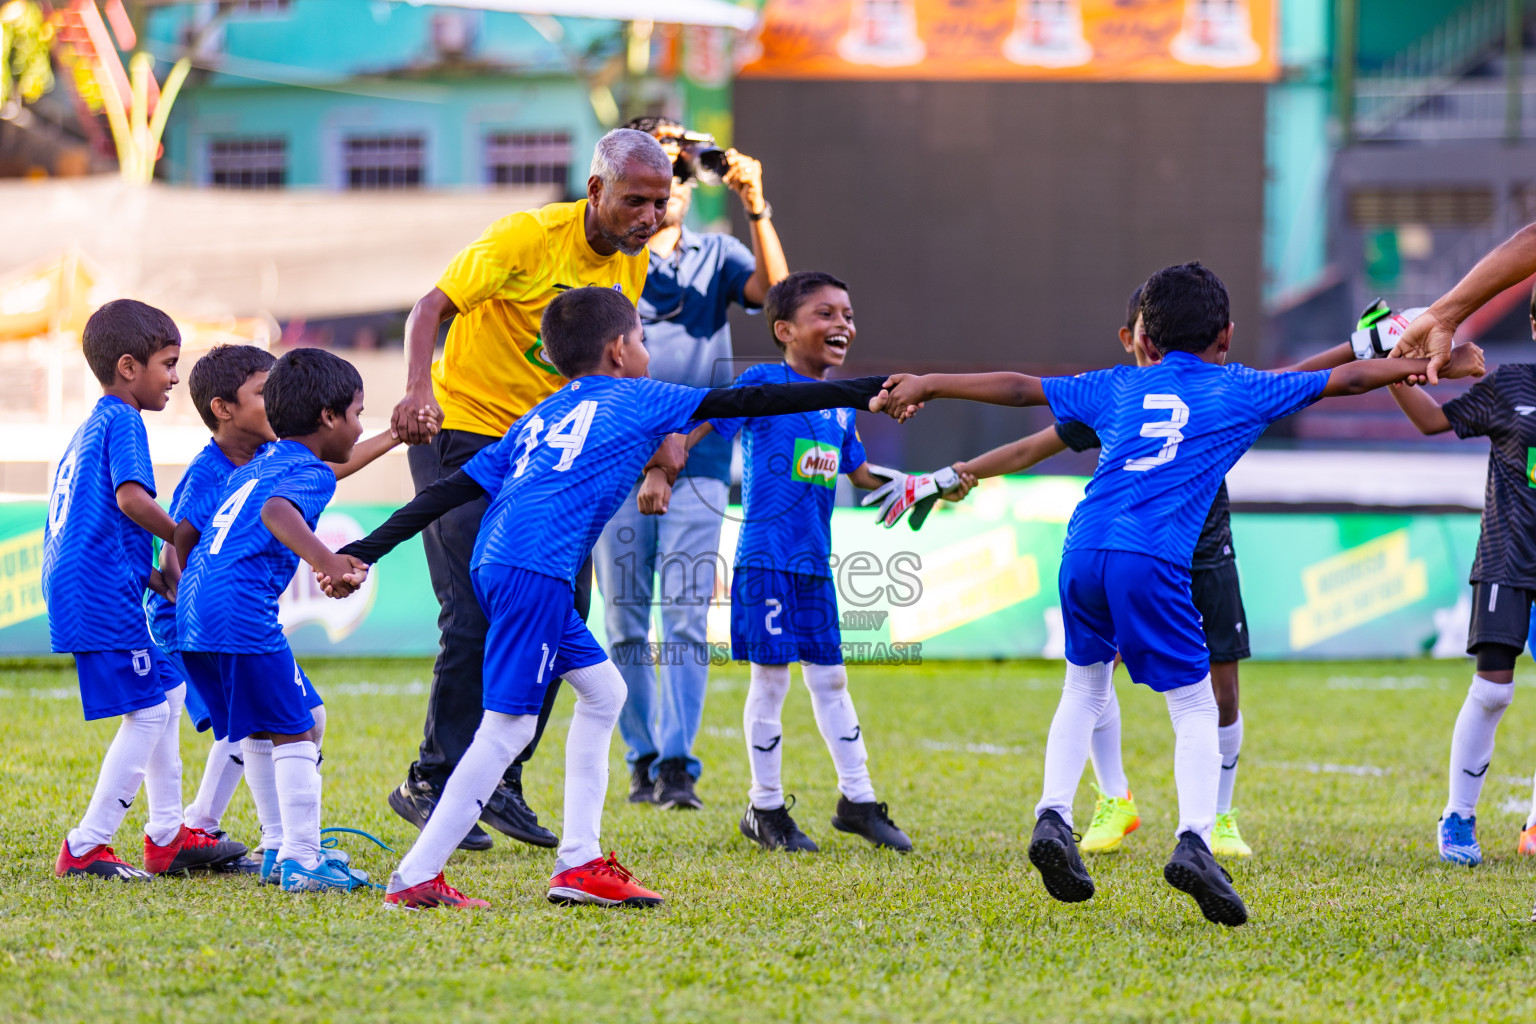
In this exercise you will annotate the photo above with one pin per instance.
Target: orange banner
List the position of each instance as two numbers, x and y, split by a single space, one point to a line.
1142 40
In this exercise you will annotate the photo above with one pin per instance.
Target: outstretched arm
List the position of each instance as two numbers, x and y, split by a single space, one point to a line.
905 393
1431 334
1367 375
780 399
1421 409
287 524
1014 457
416 515
661 472
1327 359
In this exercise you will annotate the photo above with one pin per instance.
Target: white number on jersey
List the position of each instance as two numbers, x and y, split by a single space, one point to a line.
570 434
1170 430
225 517
63 487
529 440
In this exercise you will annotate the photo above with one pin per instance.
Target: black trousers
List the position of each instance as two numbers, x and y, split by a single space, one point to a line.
453 707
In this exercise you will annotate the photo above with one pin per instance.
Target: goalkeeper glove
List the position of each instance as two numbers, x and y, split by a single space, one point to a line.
903 492
1379 329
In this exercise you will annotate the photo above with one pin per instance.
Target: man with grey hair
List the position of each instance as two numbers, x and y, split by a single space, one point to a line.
491 372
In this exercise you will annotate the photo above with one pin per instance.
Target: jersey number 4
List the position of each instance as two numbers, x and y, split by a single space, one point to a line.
568 436
228 512
1170 430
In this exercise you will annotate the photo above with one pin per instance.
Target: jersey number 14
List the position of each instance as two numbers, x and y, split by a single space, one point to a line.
1170 430
568 436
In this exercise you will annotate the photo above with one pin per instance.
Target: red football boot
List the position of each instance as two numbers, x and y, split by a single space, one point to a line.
434 892
192 848
603 881
101 861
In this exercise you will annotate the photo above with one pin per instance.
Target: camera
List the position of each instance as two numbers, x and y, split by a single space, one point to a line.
700 160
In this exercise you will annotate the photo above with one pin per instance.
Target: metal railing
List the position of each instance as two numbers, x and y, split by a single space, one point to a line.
1430 111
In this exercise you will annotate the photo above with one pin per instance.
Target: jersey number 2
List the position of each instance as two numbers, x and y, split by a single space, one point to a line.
569 436
1170 430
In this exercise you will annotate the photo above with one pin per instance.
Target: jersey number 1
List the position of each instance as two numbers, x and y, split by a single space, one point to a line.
1170 430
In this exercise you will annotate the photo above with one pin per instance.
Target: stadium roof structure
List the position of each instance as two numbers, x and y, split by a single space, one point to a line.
718 13
284 254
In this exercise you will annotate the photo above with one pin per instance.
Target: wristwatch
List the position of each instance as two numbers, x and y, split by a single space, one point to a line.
767 212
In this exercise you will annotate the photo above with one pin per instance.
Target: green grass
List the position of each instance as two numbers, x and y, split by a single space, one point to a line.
1342 779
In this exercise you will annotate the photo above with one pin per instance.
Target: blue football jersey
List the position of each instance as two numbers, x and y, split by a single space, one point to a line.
559 474
193 500
790 466
227 603
96 561
1170 432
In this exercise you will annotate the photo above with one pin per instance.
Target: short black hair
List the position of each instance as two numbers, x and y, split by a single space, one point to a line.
580 323
785 298
1133 310
1184 308
222 373
302 384
650 122
125 327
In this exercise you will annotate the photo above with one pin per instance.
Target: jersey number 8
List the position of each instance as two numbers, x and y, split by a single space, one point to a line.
569 435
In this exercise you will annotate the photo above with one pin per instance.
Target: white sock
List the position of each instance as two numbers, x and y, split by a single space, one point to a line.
600 692
221 777
1104 749
162 775
122 771
764 732
1083 697
839 725
297 769
1196 756
1230 739
499 739
1472 743
261 779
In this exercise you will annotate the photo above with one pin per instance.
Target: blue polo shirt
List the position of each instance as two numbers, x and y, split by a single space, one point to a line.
684 309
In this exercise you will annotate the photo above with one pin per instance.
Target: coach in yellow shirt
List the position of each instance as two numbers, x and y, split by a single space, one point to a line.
492 371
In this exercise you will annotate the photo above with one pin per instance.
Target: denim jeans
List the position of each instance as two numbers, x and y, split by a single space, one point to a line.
453 706
682 550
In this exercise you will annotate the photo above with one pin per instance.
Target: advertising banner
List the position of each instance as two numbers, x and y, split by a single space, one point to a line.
1107 40
978 581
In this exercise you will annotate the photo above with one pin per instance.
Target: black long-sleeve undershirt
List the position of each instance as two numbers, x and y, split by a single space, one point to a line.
718 403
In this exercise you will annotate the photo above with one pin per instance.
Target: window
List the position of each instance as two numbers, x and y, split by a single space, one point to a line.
384 161
528 158
1452 206
248 163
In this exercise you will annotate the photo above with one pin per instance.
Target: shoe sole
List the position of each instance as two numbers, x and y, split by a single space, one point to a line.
841 826
567 897
544 841
680 805
1231 851
406 810
1050 858
1217 907
641 798
811 848
112 876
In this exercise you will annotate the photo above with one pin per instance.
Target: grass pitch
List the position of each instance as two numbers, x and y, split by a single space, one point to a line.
1342 780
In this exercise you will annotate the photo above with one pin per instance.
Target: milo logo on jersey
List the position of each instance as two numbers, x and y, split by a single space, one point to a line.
816 462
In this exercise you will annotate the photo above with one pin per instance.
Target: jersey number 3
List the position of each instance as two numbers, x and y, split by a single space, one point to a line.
1170 430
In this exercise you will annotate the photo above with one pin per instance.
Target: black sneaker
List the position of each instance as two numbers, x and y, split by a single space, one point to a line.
415 800
1053 851
1192 869
641 789
776 830
674 787
241 865
508 813
873 822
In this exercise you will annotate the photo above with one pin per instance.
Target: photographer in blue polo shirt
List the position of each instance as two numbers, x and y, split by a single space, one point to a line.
659 550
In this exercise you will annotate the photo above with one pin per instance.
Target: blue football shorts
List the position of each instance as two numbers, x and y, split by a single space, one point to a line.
535 636
207 700
114 683
782 617
262 692
1138 605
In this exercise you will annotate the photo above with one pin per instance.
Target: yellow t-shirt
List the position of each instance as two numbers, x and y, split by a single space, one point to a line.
493 369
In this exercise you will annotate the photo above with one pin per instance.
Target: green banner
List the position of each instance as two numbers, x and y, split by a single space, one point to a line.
978 581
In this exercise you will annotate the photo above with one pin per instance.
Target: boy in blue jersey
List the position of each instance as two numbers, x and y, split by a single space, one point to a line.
248 545
783 603
554 480
1169 434
227 386
97 561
